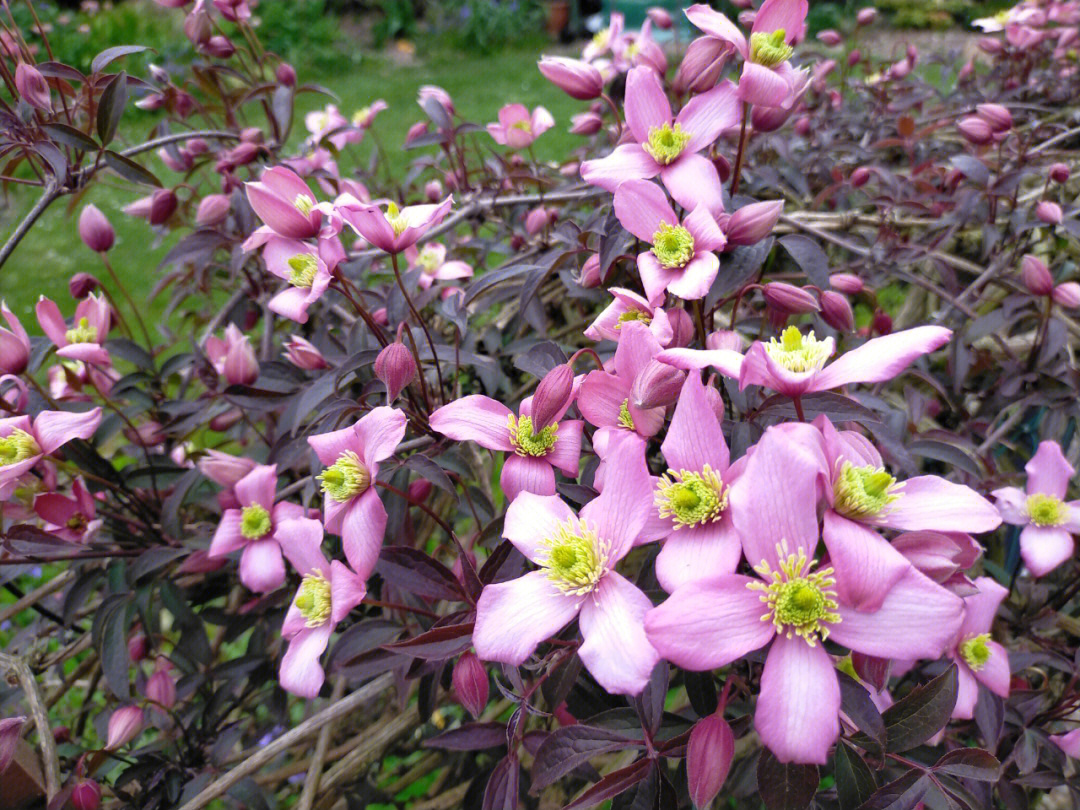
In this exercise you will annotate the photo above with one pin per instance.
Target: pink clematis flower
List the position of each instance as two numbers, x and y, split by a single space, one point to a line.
625 306
284 202
768 79
979 659
321 123
1049 521
259 527
862 497
93 318
431 259
234 357
72 519
794 604
1069 743
14 344
328 592
395 229
351 506
681 260
517 128
666 147
23 443
533 451
299 264
604 397
576 555
605 39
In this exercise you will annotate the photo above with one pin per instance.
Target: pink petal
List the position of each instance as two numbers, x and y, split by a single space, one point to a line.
301 673
1069 743
261 567
696 278
654 277
301 543
918 619
708 115
642 207
1012 505
531 519
866 564
512 114
380 432
616 650
762 87
86 353
475 418
636 348
967 693
707 234
330 446
798 710
526 474
513 617
882 358
370 222
727 361
626 162
995 674
1044 548
1048 471
698 553
52 322
693 181
55 509
622 509
694 437
452 270
285 182
347 590
758 368
705 625
786 15
646 103
53 429
227 536
280 214
715 24
775 499
362 531
565 456
601 395
258 487
278 251
930 502
291 303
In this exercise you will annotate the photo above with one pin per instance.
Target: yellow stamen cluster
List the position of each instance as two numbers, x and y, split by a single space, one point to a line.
394 217
1046 510
303 266
428 260
255 522
16 447
304 203
691 498
360 116
975 651
797 352
862 492
673 245
575 558
666 143
526 441
626 420
799 603
634 315
314 601
82 332
346 478
770 50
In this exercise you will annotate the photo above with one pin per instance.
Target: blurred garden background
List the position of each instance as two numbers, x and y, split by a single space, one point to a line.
483 52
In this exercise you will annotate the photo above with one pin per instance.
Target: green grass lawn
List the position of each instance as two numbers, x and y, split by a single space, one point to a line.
52 252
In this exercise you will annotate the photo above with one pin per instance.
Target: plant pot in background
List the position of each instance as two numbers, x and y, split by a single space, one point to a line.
558 17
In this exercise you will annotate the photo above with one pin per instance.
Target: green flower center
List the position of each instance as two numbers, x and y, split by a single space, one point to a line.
666 143
304 203
635 315
428 260
770 50
16 447
346 478
575 559
975 651
862 492
313 600
601 38
304 267
673 245
625 419
526 441
690 498
524 124
360 116
797 352
396 220
82 332
1046 510
799 603
255 522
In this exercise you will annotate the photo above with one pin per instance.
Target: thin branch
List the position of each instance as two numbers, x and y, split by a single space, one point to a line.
51 192
50 763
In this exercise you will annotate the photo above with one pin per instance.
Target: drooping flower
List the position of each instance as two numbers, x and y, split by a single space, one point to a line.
284 202
431 259
533 451
14 344
604 40
517 128
627 305
328 591
234 357
667 146
394 229
794 604
72 519
681 260
1049 520
980 659
260 527
23 443
351 505
576 555
83 340
299 264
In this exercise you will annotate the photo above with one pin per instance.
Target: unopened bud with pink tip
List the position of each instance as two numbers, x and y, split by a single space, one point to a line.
860 177
725 339
95 230
657 385
836 311
224 468
829 38
552 396
577 79
709 753
752 223
161 688
286 74
789 299
975 129
882 323
846 283
303 354
1059 173
86 795
213 208
590 272
32 87
682 328
81 285
137 647
233 357
998 117
1049 212
10 731
866 16
433 191
396 367
586 123
1067 295
470 682
124 726
660 17
14 344
1036 275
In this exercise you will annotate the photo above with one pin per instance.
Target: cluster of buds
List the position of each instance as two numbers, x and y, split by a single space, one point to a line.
991 123
1039 281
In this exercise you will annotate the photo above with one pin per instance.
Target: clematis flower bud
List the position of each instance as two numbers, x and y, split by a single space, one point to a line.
967 71
714 398
577 79
1049 212
224 468
437 93
829 38
161 688
220 46
990 45
95 230
213 208
286 74
433 191
789 299
1059 173
660 17
590 272
802 126
939 555
752 223
1036 275
701 65
415 131
860 177
882 323
470 682
682 328
709 753
866 16
14 344
586 123
657 385
86 795
303 354
1067 295
552 396
537 219
10 729
725 339
975 130
396 368
768 119
124 726
846 283
998 117
137 647
854 57
32 87
836 311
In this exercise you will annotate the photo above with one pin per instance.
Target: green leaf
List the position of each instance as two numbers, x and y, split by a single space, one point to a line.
785 785
922 713
129 169
111 107
970 763
855 781
69 136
